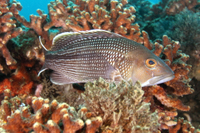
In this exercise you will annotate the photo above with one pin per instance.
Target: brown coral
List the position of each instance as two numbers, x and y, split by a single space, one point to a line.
174 7
41 116
183 126
121 107
8 28
167 94
85 15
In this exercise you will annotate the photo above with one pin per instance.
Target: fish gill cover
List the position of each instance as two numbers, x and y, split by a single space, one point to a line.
22 57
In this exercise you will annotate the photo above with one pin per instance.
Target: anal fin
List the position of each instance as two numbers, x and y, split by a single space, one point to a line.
61 79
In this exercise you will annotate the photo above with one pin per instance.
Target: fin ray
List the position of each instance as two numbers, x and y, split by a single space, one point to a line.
42 70
61 79
42 44
66 38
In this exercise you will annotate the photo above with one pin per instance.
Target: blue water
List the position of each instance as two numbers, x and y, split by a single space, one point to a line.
30 6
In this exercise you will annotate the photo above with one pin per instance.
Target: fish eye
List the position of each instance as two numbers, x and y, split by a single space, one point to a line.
151 63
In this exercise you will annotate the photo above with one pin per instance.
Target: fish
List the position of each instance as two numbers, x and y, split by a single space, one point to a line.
79 57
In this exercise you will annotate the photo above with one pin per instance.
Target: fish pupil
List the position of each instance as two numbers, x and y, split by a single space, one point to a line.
151 62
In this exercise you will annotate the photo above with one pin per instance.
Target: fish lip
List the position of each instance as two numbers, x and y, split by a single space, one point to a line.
158 80
161 79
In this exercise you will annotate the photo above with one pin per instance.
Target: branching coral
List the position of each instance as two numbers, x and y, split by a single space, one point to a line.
97 15
179 86
8 28
174 7
85 15
183 126
118 17
186 29
22 77
39 115
120 106
18 74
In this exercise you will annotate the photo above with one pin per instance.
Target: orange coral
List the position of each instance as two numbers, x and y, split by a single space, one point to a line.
46 117
36 23
86 15
20 82
167 93
8 28
184 127
119 18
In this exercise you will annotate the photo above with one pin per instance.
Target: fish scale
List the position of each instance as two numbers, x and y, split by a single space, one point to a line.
78 57
80 54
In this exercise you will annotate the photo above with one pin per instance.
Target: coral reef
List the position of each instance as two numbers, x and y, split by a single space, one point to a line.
101 98
143 12
39 115
22 77
23 57
64 93
121 107
183 126
85 15
17 72
186 29
164 97
8 28
194 101
174 7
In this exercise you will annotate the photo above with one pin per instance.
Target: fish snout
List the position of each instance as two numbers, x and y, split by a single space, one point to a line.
158 79
161 79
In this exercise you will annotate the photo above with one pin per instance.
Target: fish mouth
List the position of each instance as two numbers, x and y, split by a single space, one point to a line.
161 79
158 80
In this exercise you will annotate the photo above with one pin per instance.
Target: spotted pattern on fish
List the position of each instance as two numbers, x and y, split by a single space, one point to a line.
87 59
84 56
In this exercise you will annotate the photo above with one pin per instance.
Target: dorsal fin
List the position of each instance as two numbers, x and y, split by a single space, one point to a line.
63 39
42 44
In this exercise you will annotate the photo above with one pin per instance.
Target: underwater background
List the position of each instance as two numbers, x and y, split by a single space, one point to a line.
31 6
32 103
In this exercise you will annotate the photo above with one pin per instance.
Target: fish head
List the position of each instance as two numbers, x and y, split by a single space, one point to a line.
150 69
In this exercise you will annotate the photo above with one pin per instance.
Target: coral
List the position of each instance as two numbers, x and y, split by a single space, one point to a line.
174 7
39 115
22 77
64 93
8 28
97 15
194 101
164 97
36 23
22 80
85 15
183 126
17 69
186 29
29 46
121 107
9 105
116 16
143 12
